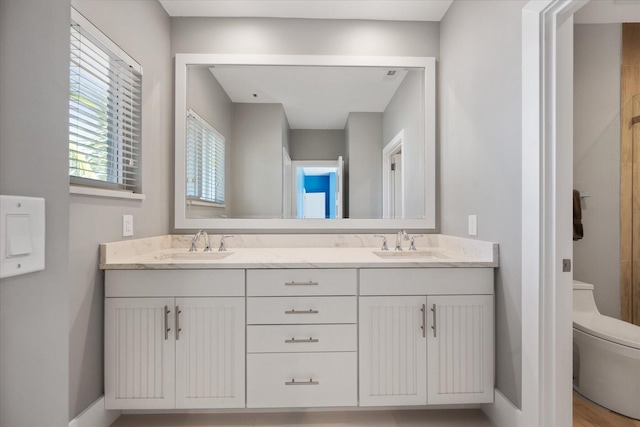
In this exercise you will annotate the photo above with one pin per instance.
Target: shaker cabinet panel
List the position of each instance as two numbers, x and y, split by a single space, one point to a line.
139 356
460 349
210 353
393 362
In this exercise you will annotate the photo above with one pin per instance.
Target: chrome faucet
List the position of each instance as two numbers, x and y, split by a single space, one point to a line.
402 235
222 247
384 242
412 246
196 237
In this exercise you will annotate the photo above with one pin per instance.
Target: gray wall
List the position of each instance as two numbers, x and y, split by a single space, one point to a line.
406 111
317 144
596 159
364 131
256 160
141 28
480 153
34 135
209 100
304 36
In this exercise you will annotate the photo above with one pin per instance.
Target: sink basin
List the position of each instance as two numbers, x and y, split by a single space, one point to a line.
195 256
424 253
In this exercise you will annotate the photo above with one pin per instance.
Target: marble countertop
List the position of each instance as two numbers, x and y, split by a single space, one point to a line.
297 251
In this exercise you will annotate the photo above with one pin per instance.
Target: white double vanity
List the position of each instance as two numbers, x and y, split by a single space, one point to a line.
298 321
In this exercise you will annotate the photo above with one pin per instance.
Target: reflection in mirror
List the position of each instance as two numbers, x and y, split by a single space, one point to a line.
272 120
305 142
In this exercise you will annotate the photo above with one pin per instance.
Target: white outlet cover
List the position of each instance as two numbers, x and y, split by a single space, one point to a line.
473 225
127 225
22 235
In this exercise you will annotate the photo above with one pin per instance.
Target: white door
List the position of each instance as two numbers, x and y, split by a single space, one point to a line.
139 353
397 195
393 351
314 205
460 349
286 185
210 353
339 188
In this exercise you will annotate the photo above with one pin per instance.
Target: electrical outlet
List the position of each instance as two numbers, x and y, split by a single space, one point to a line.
127 225
473 225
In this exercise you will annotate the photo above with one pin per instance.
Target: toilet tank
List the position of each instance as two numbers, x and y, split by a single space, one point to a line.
583 300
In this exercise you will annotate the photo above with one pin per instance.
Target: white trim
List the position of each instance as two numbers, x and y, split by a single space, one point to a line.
425 224
95 416
546 168
104 192
502 412
393 145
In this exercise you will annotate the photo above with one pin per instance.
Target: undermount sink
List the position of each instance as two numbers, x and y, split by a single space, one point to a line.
420 253
196 256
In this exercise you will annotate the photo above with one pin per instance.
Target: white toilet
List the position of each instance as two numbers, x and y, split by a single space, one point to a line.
606 356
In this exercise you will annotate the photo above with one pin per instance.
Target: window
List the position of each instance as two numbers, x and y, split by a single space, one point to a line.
205 161
104 111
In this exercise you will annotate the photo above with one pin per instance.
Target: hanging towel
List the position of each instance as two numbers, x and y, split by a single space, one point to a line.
578 231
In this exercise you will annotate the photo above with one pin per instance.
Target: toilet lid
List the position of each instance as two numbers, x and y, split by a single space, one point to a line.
608 328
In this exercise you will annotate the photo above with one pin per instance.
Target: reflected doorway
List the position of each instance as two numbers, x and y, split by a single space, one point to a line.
317 188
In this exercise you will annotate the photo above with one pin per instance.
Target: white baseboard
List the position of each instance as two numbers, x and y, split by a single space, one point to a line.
95 416
502 412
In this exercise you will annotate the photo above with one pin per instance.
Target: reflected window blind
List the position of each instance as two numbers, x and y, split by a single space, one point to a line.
205 161
104 111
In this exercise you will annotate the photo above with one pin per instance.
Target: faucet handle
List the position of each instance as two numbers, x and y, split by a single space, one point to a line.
384 242
222 247
412 246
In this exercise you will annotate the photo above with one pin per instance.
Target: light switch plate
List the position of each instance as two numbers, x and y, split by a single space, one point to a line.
473 225
127 225
22 235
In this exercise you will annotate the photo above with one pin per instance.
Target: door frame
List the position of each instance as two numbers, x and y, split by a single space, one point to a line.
388 151
547 171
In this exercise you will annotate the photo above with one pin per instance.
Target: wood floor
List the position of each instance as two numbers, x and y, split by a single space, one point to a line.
588 414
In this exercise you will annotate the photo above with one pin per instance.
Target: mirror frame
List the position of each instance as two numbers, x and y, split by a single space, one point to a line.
308 225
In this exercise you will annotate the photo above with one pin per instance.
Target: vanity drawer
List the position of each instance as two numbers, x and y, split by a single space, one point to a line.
301 338
301 310
282 380
291 282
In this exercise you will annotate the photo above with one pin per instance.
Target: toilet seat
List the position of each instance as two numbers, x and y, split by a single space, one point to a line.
608 328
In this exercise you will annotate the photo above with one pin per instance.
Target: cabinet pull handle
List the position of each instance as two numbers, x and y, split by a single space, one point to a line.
166 322
433 310
294 382
178 328
424 320
293 340
310 311
309 283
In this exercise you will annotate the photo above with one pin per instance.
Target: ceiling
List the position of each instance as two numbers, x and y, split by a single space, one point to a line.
608 12
384 10
312 97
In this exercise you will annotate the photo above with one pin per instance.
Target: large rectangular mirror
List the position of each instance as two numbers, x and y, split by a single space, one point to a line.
304 142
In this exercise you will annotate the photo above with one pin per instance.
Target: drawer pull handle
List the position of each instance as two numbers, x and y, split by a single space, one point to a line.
293 340
424 321
167 329
178 328
294 382
433 310
309 283
310 311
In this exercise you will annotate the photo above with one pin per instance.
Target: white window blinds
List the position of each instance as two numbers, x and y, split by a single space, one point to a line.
104 111
205 161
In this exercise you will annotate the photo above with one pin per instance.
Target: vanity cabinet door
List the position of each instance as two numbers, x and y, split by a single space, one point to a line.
139 356
210 342
393 351
460 349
